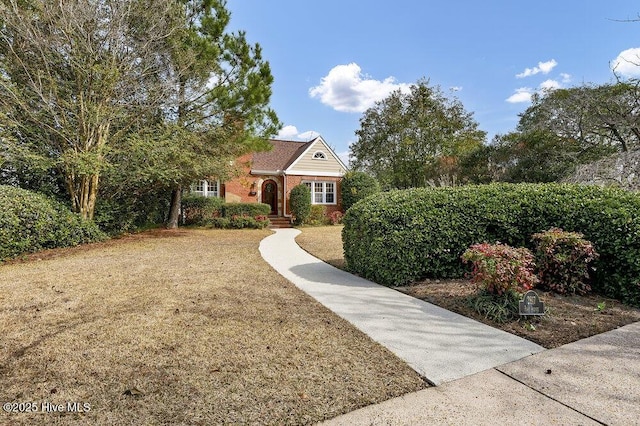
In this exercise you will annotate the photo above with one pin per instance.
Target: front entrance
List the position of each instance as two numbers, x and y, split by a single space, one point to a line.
270 195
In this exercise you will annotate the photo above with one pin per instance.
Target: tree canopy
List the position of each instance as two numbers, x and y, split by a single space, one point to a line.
148 94
414 139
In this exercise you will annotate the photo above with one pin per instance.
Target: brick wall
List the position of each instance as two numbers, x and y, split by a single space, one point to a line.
297 180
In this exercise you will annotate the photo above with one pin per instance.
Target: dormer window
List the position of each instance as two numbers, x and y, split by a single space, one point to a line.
319 155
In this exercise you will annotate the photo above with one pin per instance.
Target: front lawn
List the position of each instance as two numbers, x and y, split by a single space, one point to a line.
570 318
188 327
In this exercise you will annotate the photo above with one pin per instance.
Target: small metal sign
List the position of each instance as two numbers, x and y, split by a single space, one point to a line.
531 304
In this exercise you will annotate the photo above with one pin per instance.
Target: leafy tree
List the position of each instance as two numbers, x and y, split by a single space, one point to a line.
410 139
599 119
75 78
537 156
355 186
221 92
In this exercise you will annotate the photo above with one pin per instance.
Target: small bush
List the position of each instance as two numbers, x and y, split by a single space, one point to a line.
262 221
317 215
300 202
356 186
219 222
245 209
199 210
499 308
336 217
500 269
563 260
31 222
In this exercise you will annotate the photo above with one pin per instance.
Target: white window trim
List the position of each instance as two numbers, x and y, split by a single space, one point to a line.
324 191
205 189
323 158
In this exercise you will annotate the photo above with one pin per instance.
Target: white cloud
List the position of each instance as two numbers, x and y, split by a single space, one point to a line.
549 85
543 67
346 89
522 94
308 135
287 132
627 63
344 156
566 78
290 132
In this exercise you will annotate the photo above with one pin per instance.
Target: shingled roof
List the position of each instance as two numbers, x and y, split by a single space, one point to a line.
280 157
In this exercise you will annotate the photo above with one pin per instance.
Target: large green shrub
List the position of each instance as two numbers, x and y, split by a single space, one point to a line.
400 236
356 186
30 222
300 202
245 209
198 210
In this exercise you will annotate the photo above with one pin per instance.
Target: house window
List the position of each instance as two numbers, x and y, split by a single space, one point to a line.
322 192
319 155
207 188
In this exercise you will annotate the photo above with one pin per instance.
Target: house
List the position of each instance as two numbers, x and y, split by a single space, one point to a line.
268 177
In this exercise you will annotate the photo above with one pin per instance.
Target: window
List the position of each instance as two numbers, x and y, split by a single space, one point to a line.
322 192
319 155
207 188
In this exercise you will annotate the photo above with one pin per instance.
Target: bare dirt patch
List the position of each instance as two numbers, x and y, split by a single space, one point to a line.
570 318
190 327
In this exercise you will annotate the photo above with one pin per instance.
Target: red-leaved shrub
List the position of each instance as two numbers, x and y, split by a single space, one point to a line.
563 260
499 268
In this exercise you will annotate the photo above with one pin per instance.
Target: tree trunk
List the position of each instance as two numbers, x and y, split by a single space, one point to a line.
174 209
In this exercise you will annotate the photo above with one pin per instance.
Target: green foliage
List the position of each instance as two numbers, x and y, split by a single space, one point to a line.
239 222
535 156
317 215
500 269
213 211
300 202
198 210
401 236
245 209
355 186
127 212
411 139
30 222
564 260
500 308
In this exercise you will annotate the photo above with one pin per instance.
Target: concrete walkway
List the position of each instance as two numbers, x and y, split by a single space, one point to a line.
440 345
484 376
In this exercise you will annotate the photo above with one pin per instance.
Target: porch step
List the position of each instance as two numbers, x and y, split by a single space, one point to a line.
279 222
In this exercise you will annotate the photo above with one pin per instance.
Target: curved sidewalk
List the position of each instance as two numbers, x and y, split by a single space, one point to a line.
440 345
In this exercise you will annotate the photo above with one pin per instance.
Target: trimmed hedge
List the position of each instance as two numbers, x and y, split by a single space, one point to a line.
201 211
198 210
245 209
401 236
30 222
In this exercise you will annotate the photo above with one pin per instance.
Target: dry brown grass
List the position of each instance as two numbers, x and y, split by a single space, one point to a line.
180 328
324 242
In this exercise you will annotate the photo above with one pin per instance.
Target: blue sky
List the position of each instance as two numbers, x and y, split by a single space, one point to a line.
332 59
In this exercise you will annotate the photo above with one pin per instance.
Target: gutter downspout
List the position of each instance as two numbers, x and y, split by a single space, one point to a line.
284 196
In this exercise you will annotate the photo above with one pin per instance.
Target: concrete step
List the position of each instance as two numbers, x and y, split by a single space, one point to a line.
278 222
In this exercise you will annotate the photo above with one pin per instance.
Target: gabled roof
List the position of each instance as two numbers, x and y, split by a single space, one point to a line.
280 157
